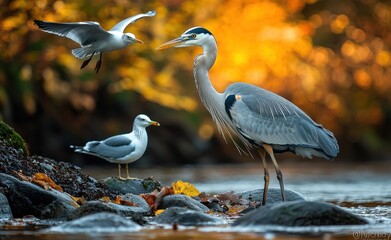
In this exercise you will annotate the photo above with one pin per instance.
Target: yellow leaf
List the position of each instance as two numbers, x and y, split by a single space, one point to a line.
105 199
79 200
159 211
185 188
236 209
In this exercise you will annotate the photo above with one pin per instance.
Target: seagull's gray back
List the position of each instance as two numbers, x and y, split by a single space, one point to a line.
264 117
111 149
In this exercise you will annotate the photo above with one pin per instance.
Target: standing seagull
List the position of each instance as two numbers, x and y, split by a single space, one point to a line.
122 149
259 118
92 38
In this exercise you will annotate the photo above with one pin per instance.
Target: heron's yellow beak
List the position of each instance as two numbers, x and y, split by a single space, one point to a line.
173 43
154 123
138 41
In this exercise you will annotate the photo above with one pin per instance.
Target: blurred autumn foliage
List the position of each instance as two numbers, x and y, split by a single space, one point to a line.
331 58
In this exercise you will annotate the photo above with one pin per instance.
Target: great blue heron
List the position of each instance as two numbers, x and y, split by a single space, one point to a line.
259 118
92 38
124 148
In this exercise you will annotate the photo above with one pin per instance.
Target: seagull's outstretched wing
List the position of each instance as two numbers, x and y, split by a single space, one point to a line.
84 33
122 25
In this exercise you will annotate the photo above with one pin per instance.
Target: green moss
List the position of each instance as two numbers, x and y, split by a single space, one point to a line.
12 138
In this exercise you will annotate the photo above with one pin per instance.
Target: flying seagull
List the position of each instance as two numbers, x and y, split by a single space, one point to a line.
92 38
122 149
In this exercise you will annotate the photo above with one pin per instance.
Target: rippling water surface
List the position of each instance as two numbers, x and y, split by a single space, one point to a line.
364 189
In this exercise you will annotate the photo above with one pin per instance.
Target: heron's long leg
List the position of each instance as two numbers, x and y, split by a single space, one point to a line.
86 62
266 177
269 150
98 63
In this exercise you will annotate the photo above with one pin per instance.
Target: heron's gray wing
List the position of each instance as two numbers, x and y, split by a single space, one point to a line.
122 25
111 148
265 117
84 33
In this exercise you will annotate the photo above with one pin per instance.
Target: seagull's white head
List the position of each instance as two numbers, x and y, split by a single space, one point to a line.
143 120
130 38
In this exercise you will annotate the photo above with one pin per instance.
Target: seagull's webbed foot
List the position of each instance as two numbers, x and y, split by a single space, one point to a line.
98 63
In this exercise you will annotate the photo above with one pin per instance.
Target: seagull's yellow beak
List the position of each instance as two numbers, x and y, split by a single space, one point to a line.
154 123
173 43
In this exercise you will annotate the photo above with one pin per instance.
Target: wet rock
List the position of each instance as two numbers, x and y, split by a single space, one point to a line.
186 217
140 209
66 175
26 198
57 209
273 195
300 213
5 210
97 223
92 207
178 200
135 185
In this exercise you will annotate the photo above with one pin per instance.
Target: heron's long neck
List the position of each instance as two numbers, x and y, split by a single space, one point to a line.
202 64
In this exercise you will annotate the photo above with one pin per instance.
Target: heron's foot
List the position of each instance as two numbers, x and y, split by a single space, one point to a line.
121 178
130 178
85 63
97 66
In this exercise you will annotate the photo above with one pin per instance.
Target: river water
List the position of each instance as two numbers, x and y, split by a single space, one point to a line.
361 188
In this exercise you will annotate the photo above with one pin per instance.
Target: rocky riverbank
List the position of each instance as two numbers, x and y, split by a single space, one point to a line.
38 192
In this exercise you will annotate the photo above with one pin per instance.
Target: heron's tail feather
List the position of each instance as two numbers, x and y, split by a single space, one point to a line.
328 143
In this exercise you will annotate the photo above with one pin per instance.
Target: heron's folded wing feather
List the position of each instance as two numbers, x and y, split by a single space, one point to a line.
267 117
83 33
122 25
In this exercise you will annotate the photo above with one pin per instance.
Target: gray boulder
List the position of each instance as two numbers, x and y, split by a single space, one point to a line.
186 217
300 213
5 210
26 198
179 200
135 186
273 195
140 209
97 223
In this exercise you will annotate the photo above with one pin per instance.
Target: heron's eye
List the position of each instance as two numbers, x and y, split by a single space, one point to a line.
193 36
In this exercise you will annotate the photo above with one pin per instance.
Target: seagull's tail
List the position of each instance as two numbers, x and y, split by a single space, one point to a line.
80 53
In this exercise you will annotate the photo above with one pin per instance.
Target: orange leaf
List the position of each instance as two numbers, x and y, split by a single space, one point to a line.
45 181
119 200
79 200
236 209
164 192
105 199
150 199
